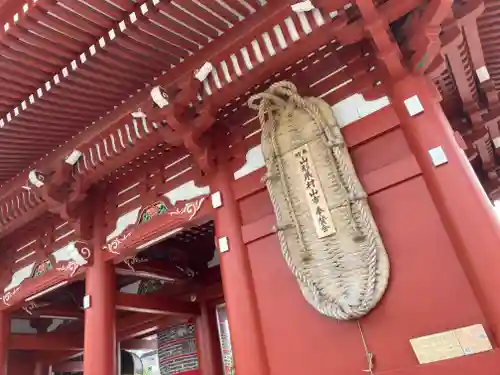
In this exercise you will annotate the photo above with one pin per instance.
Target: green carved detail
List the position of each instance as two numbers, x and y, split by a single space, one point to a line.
157 209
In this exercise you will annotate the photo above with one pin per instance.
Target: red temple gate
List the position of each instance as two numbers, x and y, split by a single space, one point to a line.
119 186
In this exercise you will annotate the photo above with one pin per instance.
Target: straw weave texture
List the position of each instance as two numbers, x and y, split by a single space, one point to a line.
344 274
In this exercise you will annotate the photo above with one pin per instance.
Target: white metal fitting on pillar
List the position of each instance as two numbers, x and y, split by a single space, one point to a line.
216 199
223 244
86 302
414 105
303 6
438 156
496 142
482 74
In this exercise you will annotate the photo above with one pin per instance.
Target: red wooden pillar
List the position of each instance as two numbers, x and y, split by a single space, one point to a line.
462 204
246 332
41 369
4 341
99 357
209 355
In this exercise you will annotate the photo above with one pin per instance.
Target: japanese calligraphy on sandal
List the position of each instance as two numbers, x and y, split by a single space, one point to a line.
313 192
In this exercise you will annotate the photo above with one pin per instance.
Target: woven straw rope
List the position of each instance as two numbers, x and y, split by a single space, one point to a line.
345 274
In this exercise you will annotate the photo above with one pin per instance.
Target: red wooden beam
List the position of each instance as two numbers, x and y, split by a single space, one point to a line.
149 328
55 312
203 292
67 342
31 289
57 356
129 329
136 344
146 303
77 366
47 341
154 269
69 366
132 321
145 235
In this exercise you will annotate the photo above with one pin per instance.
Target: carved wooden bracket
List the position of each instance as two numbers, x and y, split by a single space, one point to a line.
184 124
422 44
376 25
65 192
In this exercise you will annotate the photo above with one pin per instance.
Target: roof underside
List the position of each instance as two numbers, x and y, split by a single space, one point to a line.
105 52
65 64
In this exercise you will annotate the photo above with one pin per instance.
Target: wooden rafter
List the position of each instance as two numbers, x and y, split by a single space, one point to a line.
224 46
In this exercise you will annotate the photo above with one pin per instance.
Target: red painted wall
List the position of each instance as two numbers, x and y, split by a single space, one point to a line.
428 292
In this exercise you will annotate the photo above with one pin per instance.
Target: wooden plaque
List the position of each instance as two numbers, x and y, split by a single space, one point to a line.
451 344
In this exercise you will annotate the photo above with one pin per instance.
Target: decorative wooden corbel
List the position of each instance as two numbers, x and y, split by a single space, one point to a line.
387 50
183 123
63 190
423 33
